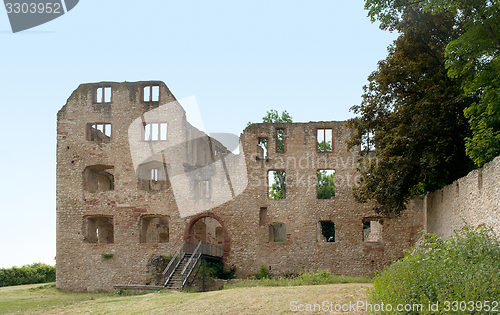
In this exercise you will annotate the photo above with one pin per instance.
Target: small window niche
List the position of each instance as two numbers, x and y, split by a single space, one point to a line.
263 216
99 229
262 149
326 232
372 230
102 94
277 232
98 178
325 186
276 184
325 140
99 132
154 229
151 93
152 176
280 140
155 132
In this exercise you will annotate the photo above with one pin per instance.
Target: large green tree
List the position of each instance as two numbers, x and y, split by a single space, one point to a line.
473 56
412 114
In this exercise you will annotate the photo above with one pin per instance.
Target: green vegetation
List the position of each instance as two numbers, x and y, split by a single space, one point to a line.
27 274
306 278
325 188
277 187
39 298
412 112
262 274
462 268
216 271
107 256
473 56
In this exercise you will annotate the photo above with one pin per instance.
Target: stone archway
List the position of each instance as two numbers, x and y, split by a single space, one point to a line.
188 232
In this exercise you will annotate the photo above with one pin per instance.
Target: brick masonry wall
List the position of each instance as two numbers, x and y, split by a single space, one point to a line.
473 199
81 264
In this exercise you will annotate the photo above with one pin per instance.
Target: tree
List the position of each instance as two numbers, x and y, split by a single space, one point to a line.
277 188
325 187
473 56
413 114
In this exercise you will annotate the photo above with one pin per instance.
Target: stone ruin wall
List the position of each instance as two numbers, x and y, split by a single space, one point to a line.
136 223
473 199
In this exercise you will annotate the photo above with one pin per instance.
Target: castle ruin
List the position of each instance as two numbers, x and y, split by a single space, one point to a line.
135 178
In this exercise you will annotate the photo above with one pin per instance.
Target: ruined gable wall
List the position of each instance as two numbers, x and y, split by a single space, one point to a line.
473 199
80 265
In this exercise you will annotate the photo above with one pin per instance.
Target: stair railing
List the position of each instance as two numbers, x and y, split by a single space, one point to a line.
191 264
172 265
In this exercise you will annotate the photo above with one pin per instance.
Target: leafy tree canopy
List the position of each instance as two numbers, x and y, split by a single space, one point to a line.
473 56
413 112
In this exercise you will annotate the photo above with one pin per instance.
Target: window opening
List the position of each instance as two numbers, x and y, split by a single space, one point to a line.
103 94
325 140
325 186
151 93
262 148
327 231
277 232
155 132
152 176
98 178
367 142
280 140
99 230
372 231
203 189
276 184
100 132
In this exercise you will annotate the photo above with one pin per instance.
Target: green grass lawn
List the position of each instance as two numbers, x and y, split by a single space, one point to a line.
47 299
39 297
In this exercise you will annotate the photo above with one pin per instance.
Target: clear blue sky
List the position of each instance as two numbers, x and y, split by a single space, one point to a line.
239 58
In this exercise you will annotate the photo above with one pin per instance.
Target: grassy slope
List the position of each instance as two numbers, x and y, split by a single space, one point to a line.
46 299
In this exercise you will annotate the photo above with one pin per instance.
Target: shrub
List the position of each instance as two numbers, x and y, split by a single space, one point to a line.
216 271
27 274
464 268
262 274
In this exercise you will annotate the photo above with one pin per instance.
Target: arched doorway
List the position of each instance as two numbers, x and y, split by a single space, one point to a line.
208 228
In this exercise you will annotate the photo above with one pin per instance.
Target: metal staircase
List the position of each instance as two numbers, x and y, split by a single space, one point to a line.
184 262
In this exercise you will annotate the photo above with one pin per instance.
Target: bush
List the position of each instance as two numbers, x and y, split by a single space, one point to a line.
216 271
262 274
464 268
27 274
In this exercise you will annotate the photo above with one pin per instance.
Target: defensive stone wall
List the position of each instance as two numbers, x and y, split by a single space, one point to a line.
473 199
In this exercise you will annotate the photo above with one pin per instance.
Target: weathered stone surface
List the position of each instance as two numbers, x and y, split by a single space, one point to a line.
472 199
115 208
